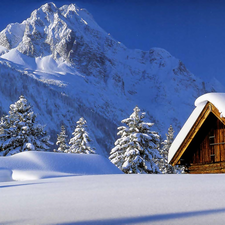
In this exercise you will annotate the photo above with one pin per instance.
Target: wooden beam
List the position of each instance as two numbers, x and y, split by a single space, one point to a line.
207 168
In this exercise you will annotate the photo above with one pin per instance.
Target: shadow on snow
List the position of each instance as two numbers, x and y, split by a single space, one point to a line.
149 219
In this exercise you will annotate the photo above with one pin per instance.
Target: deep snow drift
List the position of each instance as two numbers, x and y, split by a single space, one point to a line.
37 165
88 189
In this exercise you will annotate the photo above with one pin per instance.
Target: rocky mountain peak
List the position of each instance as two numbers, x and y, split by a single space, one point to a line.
51 31
49 7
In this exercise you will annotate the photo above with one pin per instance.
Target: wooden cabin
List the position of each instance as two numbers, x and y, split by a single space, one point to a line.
200 145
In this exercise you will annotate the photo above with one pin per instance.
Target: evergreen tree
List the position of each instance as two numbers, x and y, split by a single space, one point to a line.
20 132
61 140
136 150
80 142
163 163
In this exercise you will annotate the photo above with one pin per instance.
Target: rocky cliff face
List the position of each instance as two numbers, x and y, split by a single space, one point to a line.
76 69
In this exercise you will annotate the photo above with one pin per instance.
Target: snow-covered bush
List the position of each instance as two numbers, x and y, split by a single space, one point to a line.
61 140
20 132
80 142
136 150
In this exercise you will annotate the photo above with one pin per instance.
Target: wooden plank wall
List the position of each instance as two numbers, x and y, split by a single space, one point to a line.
200 152
207 158
221 139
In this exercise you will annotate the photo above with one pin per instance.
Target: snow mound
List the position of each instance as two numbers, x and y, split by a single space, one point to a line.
5 175
39 165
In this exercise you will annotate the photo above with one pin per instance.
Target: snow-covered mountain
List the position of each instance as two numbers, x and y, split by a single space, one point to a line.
67 67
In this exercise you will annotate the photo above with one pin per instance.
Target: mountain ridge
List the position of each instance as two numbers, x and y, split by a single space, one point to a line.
64 51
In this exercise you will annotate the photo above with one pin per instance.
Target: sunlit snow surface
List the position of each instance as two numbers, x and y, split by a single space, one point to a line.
88 189
217 99
115 199
45 65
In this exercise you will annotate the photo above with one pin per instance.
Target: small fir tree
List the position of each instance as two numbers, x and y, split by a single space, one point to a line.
61 140
163 163
136 150
20 132
80 142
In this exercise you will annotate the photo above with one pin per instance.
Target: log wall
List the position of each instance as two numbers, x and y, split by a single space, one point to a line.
207 151
203 149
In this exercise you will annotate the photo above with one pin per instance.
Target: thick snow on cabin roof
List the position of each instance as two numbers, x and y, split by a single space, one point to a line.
217 99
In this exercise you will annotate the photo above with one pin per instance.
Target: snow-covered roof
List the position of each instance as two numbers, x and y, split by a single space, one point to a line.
217 99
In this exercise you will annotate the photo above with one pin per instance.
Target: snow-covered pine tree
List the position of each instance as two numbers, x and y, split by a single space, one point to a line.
20 132
136 150
80 142
163 163
61 140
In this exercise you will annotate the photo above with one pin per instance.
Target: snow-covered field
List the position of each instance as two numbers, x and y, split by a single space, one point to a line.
70 195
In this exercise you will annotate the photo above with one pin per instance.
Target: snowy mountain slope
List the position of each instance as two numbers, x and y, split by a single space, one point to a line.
52 105
69 67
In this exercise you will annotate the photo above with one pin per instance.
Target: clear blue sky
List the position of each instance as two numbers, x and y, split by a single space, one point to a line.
191 30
